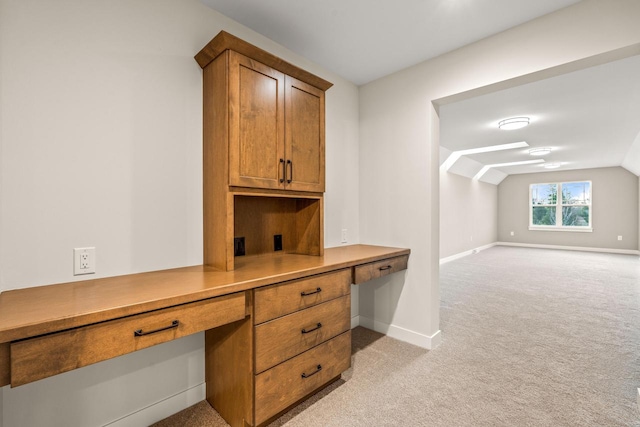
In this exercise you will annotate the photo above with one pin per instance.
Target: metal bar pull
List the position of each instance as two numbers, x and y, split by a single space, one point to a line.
388 267
290 163
318 369
284 172
306 331
305 294
139 332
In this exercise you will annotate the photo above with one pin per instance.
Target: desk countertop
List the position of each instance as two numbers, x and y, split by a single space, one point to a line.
40 310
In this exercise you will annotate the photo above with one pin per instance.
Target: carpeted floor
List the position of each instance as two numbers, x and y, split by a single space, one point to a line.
531 337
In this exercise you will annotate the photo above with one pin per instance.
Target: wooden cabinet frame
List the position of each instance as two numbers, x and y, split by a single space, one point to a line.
263 153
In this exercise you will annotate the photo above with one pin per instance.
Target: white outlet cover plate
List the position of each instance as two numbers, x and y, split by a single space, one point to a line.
90 261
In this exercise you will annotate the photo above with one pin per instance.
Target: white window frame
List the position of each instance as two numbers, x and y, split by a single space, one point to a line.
559 206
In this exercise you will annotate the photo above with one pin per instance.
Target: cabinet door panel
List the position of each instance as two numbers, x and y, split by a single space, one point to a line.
304 136
256 118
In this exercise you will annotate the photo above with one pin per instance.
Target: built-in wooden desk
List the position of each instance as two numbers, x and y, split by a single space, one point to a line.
52 329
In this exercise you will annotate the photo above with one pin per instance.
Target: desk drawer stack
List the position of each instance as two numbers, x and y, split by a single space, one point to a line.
302 339
297 341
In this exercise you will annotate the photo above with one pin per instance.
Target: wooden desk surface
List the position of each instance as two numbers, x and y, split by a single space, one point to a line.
39 310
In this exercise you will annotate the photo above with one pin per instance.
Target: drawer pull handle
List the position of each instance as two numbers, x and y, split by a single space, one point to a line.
318 326
388 267
290 163
139 332
304 294
284 172
318 369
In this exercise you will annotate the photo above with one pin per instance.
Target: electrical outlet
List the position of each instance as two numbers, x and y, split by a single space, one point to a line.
238 246
277 242
619 237
343 238
84 261
513 234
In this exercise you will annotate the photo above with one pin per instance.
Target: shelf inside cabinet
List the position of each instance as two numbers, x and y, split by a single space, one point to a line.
298 220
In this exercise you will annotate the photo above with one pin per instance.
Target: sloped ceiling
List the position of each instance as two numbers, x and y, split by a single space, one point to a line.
590 119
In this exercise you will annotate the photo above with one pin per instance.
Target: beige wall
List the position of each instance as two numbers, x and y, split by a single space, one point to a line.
468 214
399 153
101 145
614 209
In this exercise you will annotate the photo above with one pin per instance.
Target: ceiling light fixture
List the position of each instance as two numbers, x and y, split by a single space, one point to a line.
552 165
513 123
539 151
499 165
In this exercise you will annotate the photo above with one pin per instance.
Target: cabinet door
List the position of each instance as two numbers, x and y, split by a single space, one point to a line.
304 136
256 124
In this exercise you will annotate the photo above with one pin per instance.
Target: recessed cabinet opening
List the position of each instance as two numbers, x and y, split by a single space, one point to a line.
297 220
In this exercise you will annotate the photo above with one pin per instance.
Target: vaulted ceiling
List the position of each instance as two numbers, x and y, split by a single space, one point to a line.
589 118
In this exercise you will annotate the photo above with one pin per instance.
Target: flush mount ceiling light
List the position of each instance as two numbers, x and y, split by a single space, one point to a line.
539 151
513 123
552 165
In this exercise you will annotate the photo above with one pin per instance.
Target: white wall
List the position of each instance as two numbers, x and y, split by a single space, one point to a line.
101 145
468 214
398 134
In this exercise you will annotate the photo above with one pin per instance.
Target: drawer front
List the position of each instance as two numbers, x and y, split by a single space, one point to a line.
41 357
288 336
373 270
282 386
285 298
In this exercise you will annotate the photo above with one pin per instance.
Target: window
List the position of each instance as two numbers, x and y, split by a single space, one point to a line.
569 212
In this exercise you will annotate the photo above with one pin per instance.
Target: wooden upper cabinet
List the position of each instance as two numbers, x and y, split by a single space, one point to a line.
304 141
275 129
256 124
263 153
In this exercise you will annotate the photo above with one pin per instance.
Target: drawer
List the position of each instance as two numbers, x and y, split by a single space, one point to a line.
47 355
284 298
373 270
282 386
288 336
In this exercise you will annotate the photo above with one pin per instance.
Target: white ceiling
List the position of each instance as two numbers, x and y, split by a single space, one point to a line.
362 40
590 118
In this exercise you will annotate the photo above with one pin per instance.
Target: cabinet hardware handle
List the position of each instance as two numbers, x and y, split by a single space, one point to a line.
304 294
139 333
388 267
318 369
284 172
290 163
306 331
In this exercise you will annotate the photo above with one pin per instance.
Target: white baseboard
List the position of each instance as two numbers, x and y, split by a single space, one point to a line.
465 253
161 410
355 321
402 334
572 248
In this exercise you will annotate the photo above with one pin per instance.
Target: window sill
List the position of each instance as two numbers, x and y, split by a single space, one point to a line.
570 229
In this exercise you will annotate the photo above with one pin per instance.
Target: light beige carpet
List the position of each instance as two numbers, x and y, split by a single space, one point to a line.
531 337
